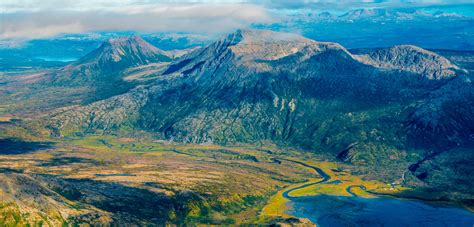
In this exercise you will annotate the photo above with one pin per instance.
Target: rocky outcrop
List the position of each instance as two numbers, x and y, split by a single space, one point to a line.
106 115
412 59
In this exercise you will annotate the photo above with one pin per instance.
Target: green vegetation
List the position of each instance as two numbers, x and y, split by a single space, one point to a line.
207 184
203 183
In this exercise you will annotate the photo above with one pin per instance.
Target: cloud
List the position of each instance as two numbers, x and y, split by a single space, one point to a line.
45 31
31 22
32 19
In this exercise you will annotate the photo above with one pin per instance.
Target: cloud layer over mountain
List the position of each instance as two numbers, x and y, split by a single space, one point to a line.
31 19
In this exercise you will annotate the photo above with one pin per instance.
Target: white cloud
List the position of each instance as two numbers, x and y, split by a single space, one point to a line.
34 21
30 19
10 32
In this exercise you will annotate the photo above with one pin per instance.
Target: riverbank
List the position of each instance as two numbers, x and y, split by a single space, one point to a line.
334 180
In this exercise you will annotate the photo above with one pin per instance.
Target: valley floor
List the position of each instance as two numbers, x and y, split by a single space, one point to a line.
107 179
114 179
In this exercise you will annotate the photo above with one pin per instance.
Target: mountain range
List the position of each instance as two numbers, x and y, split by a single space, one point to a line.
385 110
382 14
384 27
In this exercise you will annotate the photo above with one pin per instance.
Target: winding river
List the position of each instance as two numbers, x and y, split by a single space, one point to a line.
326 210
325 177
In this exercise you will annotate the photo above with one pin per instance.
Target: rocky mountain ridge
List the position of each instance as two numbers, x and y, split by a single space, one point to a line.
379 14
247 68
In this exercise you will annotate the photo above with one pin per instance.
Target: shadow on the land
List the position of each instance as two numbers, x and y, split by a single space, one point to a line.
8 170
18 146
60 161
127 204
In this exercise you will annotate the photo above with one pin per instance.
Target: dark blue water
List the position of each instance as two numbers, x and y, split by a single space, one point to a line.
354 211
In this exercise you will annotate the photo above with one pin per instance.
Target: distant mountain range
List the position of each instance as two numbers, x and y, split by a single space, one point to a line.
380 14
384 27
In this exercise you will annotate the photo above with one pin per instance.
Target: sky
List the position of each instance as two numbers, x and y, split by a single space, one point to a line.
36 19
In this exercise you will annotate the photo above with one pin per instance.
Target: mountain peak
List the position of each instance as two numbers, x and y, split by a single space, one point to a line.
248 36
113 56
251 44
364 13
255 49
125 51
121 48
132 40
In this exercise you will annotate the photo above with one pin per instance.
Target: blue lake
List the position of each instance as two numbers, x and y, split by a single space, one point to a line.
382 211
60 59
